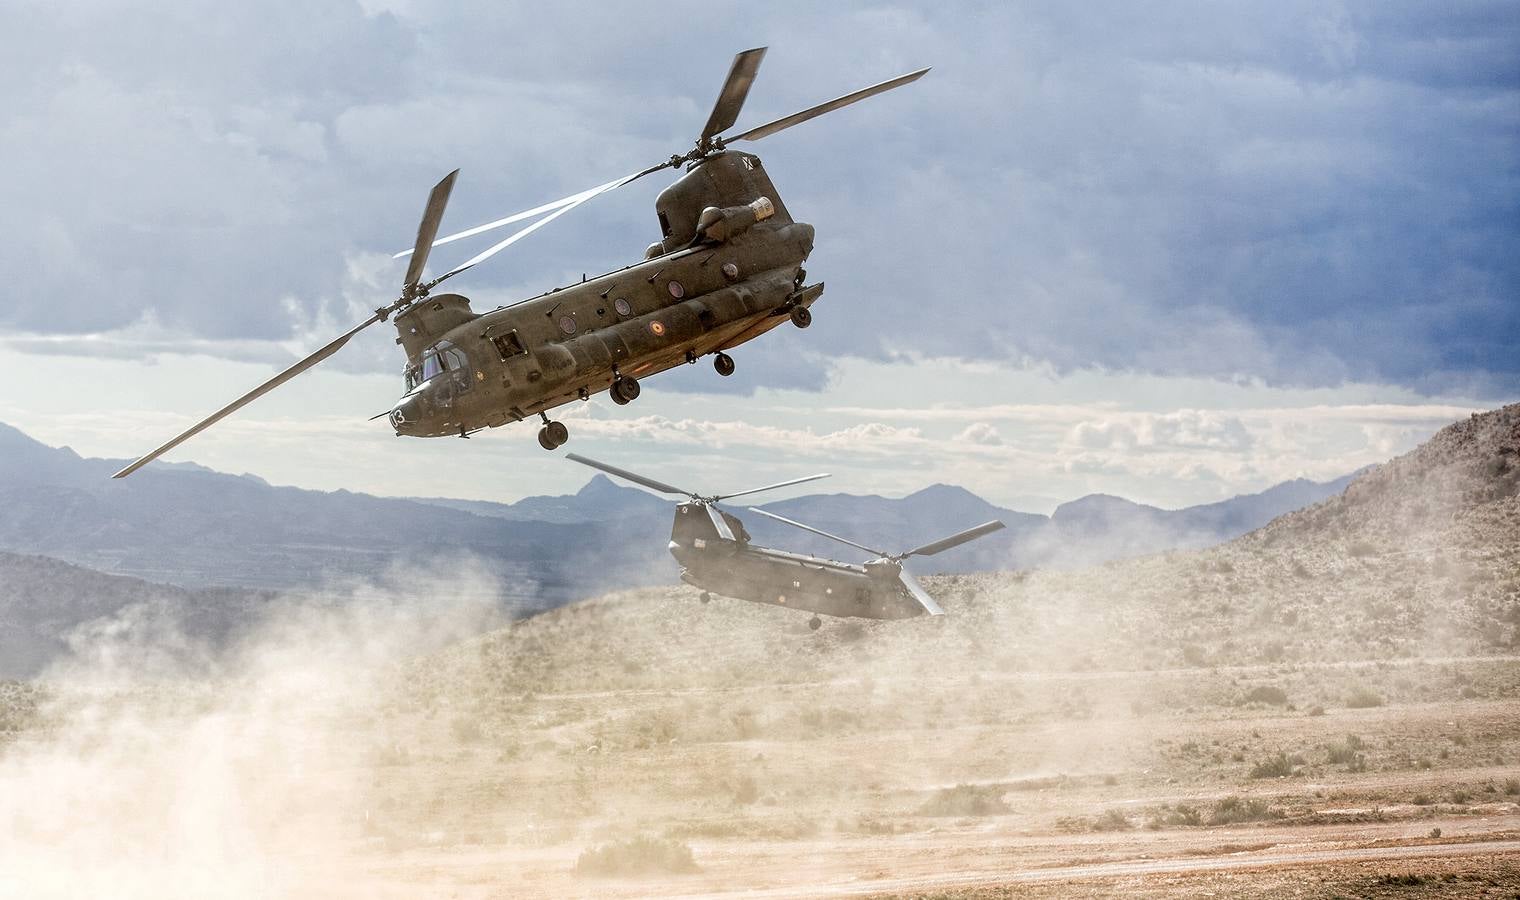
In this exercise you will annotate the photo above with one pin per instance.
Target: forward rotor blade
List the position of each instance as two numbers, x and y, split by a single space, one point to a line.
249 397
719 522
626 475
954 540
427 229
818 531
519 235
770 128
772 487
735 89
919 594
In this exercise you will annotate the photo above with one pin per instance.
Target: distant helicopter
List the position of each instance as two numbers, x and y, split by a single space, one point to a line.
716 555
728 268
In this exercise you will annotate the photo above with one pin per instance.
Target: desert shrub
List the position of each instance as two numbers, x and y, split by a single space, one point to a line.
636 856
966 800
1112 820
1279 765
1267 693
1346 752
746 792
1409 880
1361 549
1363 698
1512 786
1232 810
1173 817
1316 710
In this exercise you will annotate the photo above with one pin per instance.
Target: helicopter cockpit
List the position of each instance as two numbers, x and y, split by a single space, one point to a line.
434 361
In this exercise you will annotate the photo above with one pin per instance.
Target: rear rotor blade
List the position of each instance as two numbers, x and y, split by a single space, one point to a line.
817 531
919 594
522 233
954 540
428 227
770 128
249 397
719 522
626 475
735 89
772 487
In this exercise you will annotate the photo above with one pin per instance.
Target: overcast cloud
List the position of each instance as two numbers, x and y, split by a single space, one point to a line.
1306 192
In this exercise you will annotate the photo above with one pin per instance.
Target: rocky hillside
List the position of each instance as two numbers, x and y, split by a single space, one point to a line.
1420 557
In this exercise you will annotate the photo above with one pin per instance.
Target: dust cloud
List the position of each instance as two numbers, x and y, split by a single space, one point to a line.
158 768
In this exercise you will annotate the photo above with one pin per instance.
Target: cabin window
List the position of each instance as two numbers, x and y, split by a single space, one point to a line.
567 324
622 306
664 224
508 345
676 290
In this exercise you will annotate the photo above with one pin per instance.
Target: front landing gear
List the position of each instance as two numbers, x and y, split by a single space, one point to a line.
553 435
705 597
724 364
802 317
815 623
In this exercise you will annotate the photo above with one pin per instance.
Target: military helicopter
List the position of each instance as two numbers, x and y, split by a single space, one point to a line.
716 555
727 269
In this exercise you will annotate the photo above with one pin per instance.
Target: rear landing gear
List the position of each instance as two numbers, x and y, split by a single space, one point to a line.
624 390
724 364
553 435
815 623
705 597
802 317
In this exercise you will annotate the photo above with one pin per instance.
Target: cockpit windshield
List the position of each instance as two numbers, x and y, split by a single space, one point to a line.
435 360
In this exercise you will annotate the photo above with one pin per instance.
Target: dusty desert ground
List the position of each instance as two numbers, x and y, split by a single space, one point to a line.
1329 707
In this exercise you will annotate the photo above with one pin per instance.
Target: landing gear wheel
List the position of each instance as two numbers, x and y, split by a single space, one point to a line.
558 433
802 317
704 597
624 391
815 623
544 440
724 364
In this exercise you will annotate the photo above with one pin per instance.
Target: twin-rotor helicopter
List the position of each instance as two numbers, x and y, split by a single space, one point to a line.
727 269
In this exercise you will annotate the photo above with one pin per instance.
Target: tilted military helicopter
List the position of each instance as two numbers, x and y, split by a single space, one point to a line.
716 555
727 269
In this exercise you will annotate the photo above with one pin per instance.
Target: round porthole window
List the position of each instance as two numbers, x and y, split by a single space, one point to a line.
622 306
676 290
567 324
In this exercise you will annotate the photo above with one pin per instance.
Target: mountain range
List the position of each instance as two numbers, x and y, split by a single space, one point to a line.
187 525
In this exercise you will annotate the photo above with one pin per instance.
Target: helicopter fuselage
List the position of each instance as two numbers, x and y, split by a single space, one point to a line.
695 295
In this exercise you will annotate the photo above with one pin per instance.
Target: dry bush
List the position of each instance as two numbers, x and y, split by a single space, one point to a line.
1363 698
966 800
636 856
1268 694
1280 765
1233 810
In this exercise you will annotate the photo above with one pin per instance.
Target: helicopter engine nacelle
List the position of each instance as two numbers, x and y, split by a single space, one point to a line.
722 224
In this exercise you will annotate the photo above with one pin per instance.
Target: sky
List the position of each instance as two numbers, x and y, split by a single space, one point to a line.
1173 251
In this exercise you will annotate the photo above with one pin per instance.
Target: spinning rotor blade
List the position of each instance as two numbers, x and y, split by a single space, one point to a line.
772 487
428 227
522 233
817 531
735 89
535 211
249 397
954 540
634 477
919 594
770 128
